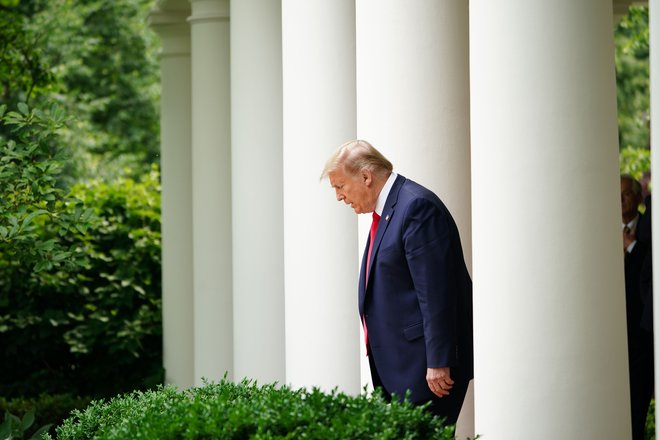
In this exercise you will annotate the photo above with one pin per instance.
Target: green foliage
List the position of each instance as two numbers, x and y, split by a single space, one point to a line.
123 282
14 428
36 216
108 71
95 330
634 161
247 411
48 409
649 433
98 60
631 36
80 291
24 69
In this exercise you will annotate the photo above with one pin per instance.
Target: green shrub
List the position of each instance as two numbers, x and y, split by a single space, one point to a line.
95 330
15 428
247 411
48 409
650 422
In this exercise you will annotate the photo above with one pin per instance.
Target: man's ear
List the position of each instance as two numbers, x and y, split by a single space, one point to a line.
367 176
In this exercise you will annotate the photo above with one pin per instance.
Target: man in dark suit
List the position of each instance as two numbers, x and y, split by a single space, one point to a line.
415 293
640 340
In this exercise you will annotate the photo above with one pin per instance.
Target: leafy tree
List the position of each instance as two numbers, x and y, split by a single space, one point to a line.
635 161
632 74
30 163
97 59
109 75
24 69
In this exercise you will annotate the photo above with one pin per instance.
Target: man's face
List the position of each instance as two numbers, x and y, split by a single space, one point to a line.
355 190
629 200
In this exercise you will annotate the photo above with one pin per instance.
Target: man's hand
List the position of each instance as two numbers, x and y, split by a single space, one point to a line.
439 381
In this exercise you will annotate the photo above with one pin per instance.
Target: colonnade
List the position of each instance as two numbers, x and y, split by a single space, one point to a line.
506 109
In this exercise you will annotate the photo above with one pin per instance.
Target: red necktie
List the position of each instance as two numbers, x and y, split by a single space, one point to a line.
372 236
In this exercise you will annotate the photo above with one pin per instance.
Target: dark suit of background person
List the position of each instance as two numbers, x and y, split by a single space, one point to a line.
643 234
640 340
417 301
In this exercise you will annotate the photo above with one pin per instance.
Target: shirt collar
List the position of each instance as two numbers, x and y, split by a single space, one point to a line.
632 224
382 197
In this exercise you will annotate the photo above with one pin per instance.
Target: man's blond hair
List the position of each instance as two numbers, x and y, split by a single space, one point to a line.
355 156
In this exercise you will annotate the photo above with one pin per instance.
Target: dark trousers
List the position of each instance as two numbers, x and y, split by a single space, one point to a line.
641 389
447 407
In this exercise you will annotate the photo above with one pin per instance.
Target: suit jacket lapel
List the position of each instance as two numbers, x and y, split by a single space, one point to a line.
388 213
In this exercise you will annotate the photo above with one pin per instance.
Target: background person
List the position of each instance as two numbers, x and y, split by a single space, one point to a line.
640 339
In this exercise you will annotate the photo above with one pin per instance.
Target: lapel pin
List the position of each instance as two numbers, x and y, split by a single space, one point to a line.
387 218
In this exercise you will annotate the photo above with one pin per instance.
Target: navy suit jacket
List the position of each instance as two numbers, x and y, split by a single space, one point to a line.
417 302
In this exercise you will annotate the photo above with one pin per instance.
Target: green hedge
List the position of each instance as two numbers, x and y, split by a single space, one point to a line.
246 411
96 330
650 422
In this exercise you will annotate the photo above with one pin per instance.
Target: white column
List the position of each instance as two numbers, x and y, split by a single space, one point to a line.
413 101
413 94
322 336
654 44
176 187
550 330
211 189
258 238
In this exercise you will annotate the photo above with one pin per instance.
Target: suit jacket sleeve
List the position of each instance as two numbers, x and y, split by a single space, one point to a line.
428 239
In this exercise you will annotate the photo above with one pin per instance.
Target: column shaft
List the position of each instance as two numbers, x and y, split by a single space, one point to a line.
413 101
318 44
550 330
413 94
258 237
654 44
176 208
211 164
